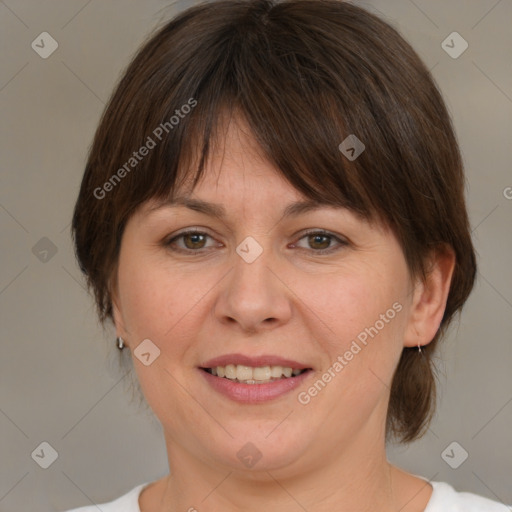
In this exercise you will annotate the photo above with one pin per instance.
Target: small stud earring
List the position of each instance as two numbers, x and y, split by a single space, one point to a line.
419 348
120 343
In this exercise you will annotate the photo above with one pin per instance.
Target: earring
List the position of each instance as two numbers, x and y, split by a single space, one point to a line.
120 343
419 348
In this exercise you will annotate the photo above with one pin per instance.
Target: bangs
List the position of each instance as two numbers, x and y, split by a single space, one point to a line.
298 109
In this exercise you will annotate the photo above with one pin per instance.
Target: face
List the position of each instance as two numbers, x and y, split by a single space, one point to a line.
319 290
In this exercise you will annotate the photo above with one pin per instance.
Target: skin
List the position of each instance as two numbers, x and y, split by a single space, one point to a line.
292 302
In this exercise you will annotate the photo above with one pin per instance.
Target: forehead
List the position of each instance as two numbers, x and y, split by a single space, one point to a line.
236 166
237 170
230 209
239 177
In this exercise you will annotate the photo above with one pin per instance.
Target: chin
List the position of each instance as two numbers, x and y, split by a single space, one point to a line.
260 446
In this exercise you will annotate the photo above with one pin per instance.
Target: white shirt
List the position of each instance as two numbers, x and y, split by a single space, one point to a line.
444 499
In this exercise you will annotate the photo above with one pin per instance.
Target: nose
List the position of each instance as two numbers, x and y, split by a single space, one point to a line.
254 296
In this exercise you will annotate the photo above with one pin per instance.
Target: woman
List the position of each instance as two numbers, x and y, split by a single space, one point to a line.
273 216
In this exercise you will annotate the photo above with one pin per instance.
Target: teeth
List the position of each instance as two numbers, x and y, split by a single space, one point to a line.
276 371
230 371
262 373
243 372
250 375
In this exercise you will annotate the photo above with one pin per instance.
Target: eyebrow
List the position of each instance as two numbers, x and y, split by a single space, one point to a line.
218 211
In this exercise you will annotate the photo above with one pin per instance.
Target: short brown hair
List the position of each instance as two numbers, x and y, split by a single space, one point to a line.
305 74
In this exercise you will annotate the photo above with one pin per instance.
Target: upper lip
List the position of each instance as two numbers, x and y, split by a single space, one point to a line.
254 361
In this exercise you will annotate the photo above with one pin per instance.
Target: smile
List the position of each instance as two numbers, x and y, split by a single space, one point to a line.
253 384
249 375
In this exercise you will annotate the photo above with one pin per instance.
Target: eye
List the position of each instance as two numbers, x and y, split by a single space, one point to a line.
320 241
193 240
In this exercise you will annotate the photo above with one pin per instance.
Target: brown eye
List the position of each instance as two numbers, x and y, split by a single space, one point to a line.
193 241
320 242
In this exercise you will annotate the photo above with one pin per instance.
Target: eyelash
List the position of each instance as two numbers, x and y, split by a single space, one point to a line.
342 243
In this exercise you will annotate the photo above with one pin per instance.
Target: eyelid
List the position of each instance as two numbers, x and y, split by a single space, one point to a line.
186 231
341 241
321 231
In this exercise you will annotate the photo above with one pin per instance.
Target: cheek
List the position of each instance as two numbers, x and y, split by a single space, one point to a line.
154 298
354 306
360 315
358 324
142 301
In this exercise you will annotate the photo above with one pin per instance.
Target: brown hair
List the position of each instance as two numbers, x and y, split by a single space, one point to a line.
305 74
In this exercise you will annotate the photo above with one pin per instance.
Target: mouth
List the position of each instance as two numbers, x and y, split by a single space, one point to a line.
254 380
244 374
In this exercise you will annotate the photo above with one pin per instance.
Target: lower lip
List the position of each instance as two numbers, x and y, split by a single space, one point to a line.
254 393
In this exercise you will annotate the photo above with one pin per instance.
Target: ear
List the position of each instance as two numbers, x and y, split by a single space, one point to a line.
429 298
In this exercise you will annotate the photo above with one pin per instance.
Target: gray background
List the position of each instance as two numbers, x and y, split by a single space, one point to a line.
60 380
